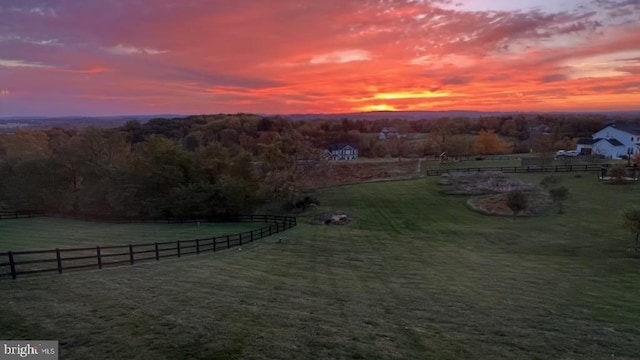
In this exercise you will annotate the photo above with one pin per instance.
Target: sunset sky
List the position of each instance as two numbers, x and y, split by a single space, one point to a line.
110 57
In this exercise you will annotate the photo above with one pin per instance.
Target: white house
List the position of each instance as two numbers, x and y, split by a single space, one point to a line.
614 142
342 151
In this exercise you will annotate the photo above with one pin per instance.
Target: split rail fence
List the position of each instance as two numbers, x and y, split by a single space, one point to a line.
519 169
14 263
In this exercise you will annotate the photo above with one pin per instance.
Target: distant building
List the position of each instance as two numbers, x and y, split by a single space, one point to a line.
389 133
615 141
342 151
540 129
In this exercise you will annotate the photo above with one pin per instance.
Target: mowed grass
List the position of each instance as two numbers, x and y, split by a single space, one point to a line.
49 233
415 276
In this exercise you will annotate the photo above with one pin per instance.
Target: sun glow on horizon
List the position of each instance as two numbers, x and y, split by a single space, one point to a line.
378 107
411 95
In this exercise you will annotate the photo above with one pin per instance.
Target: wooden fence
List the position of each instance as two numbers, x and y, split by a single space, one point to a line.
20 214
518 169
59 260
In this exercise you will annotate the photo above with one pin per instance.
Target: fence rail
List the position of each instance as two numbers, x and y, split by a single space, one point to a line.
20 214
39 261
519 169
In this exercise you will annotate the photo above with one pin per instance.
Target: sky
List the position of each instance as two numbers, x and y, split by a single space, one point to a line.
116 57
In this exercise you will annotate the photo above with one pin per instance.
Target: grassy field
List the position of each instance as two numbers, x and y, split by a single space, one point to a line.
49 233
415 276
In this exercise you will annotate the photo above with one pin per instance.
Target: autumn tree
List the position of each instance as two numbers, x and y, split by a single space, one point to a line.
509 128
289 164
25 144
488 143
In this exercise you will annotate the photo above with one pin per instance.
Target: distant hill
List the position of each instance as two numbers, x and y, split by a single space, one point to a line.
404 115
10 123
416 115
40 122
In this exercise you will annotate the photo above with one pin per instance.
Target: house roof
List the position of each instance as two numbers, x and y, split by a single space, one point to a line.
587 141
340 146
615 142
628 128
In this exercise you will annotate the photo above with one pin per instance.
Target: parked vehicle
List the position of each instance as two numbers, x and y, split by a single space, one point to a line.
569 153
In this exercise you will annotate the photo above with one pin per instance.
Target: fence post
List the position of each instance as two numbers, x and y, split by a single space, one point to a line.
157 253
198 246
131 254
12 264
240 238
251 236
178 242
99 257
228 243
214 244
261 232
59 261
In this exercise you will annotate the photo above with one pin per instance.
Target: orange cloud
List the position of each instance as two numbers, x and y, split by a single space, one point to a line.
288 56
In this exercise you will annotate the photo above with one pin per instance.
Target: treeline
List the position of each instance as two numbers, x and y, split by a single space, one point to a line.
219 164
205 166
457 135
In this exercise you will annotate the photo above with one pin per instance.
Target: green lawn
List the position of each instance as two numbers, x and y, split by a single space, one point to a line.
415 276
49 233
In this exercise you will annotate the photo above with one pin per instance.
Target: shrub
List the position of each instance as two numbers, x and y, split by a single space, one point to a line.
517 201
301 204
631 222
549 181
618 173
558 195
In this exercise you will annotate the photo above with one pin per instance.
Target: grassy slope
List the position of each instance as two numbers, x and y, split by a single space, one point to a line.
49 233
416 275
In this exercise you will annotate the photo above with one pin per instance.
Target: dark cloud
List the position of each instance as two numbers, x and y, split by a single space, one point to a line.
456 80
624 87
497 77
211 79
614 4
635 70
553 78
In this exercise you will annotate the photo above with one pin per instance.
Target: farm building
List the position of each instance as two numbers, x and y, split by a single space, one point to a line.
342 151
615 141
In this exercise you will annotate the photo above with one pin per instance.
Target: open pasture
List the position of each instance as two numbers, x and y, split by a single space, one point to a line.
49 233
416 275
